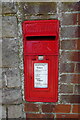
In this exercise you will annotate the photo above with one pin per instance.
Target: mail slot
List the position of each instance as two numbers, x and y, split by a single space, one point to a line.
40 50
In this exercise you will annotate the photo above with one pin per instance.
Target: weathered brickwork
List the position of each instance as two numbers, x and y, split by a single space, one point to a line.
15 109
11 82
9 28
14 104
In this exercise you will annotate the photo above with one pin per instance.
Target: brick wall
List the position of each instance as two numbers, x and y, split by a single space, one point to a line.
14 104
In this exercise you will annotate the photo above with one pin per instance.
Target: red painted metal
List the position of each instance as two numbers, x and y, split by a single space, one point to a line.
40 37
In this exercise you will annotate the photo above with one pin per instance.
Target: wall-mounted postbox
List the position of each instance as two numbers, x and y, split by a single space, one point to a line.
40 38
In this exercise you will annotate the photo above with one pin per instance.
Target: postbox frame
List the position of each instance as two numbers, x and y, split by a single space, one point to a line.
27 89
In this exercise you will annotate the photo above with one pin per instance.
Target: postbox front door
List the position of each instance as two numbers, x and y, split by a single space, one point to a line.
41 60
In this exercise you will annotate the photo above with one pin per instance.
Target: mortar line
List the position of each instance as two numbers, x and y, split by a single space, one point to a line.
20 43
72 12
77 20
8 14
74 89
51 103
69 73
69 50
69 84
62 26
6 113
71 108
68 94
75 67
51 113
69 38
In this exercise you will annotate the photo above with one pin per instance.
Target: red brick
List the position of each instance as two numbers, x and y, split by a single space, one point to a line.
70 32
48 116
78 44
76 78
62 108
76 109
66 89
75 56
29 107
33 115
78 18
67 67
70 56
69 19
70 78
68 44
70 98
48 108
39 116
77 89
67 116
56 108
78 67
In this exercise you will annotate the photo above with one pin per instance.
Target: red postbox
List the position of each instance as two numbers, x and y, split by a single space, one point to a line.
40 39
